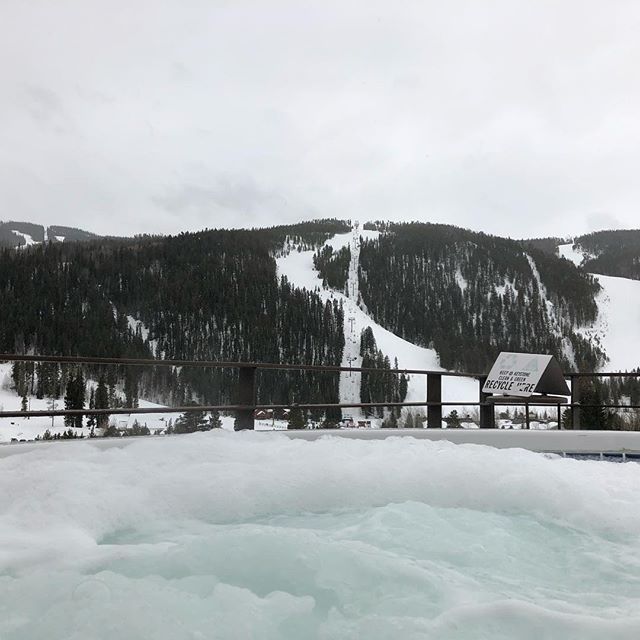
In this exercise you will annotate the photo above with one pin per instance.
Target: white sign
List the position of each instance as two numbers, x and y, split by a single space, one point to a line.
516 374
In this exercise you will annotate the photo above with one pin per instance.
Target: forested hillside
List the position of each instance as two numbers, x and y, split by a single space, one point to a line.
612 253
548 245
383 385
12 234
333 266
209 295
471 295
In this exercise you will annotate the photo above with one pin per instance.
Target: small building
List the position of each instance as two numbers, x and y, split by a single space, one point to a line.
271 414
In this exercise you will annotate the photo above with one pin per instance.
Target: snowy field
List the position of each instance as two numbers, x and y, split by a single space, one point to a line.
234 536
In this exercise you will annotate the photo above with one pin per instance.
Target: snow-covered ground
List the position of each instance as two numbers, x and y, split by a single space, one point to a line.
298 268
618 325
251 535
571 253
29 428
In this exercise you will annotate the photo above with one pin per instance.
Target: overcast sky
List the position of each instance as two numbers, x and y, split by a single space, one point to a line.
517 117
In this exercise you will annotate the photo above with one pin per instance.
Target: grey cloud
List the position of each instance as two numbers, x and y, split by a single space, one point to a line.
517 118
602 220
234 202
45 107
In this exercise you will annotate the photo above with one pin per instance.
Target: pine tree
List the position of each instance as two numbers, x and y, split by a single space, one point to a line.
91 418
131 387
101 401
595 416
40 381
18 375
453 420
214 420
74 398
296 419
80 393
69 402
192 421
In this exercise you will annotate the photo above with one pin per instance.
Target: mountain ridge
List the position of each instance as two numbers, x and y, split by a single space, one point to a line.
15 234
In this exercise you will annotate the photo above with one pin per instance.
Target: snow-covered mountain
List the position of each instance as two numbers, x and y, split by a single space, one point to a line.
298 268
27 234
434 297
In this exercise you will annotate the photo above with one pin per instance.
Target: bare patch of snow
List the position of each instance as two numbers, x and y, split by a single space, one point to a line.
574 253
461 281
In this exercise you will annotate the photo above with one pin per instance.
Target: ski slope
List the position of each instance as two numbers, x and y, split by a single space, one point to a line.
299 269
618 325
570 253
350 381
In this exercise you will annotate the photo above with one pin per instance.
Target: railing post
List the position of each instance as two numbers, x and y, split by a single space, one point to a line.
434 394
487 411
246 396
575 399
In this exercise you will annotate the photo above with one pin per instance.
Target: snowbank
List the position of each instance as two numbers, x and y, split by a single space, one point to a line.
250 535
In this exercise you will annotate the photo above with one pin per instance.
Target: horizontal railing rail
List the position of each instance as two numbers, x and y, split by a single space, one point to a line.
219 364
246 393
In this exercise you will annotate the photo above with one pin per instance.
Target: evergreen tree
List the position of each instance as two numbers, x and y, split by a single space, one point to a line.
192 421
18 375
74 398
131 387
593 415
453 420
40 381
101 401
91 418
214 420
296 419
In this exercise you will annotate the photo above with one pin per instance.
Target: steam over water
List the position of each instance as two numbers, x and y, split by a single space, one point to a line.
237 536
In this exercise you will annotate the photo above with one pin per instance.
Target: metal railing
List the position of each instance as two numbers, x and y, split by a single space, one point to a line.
247 391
